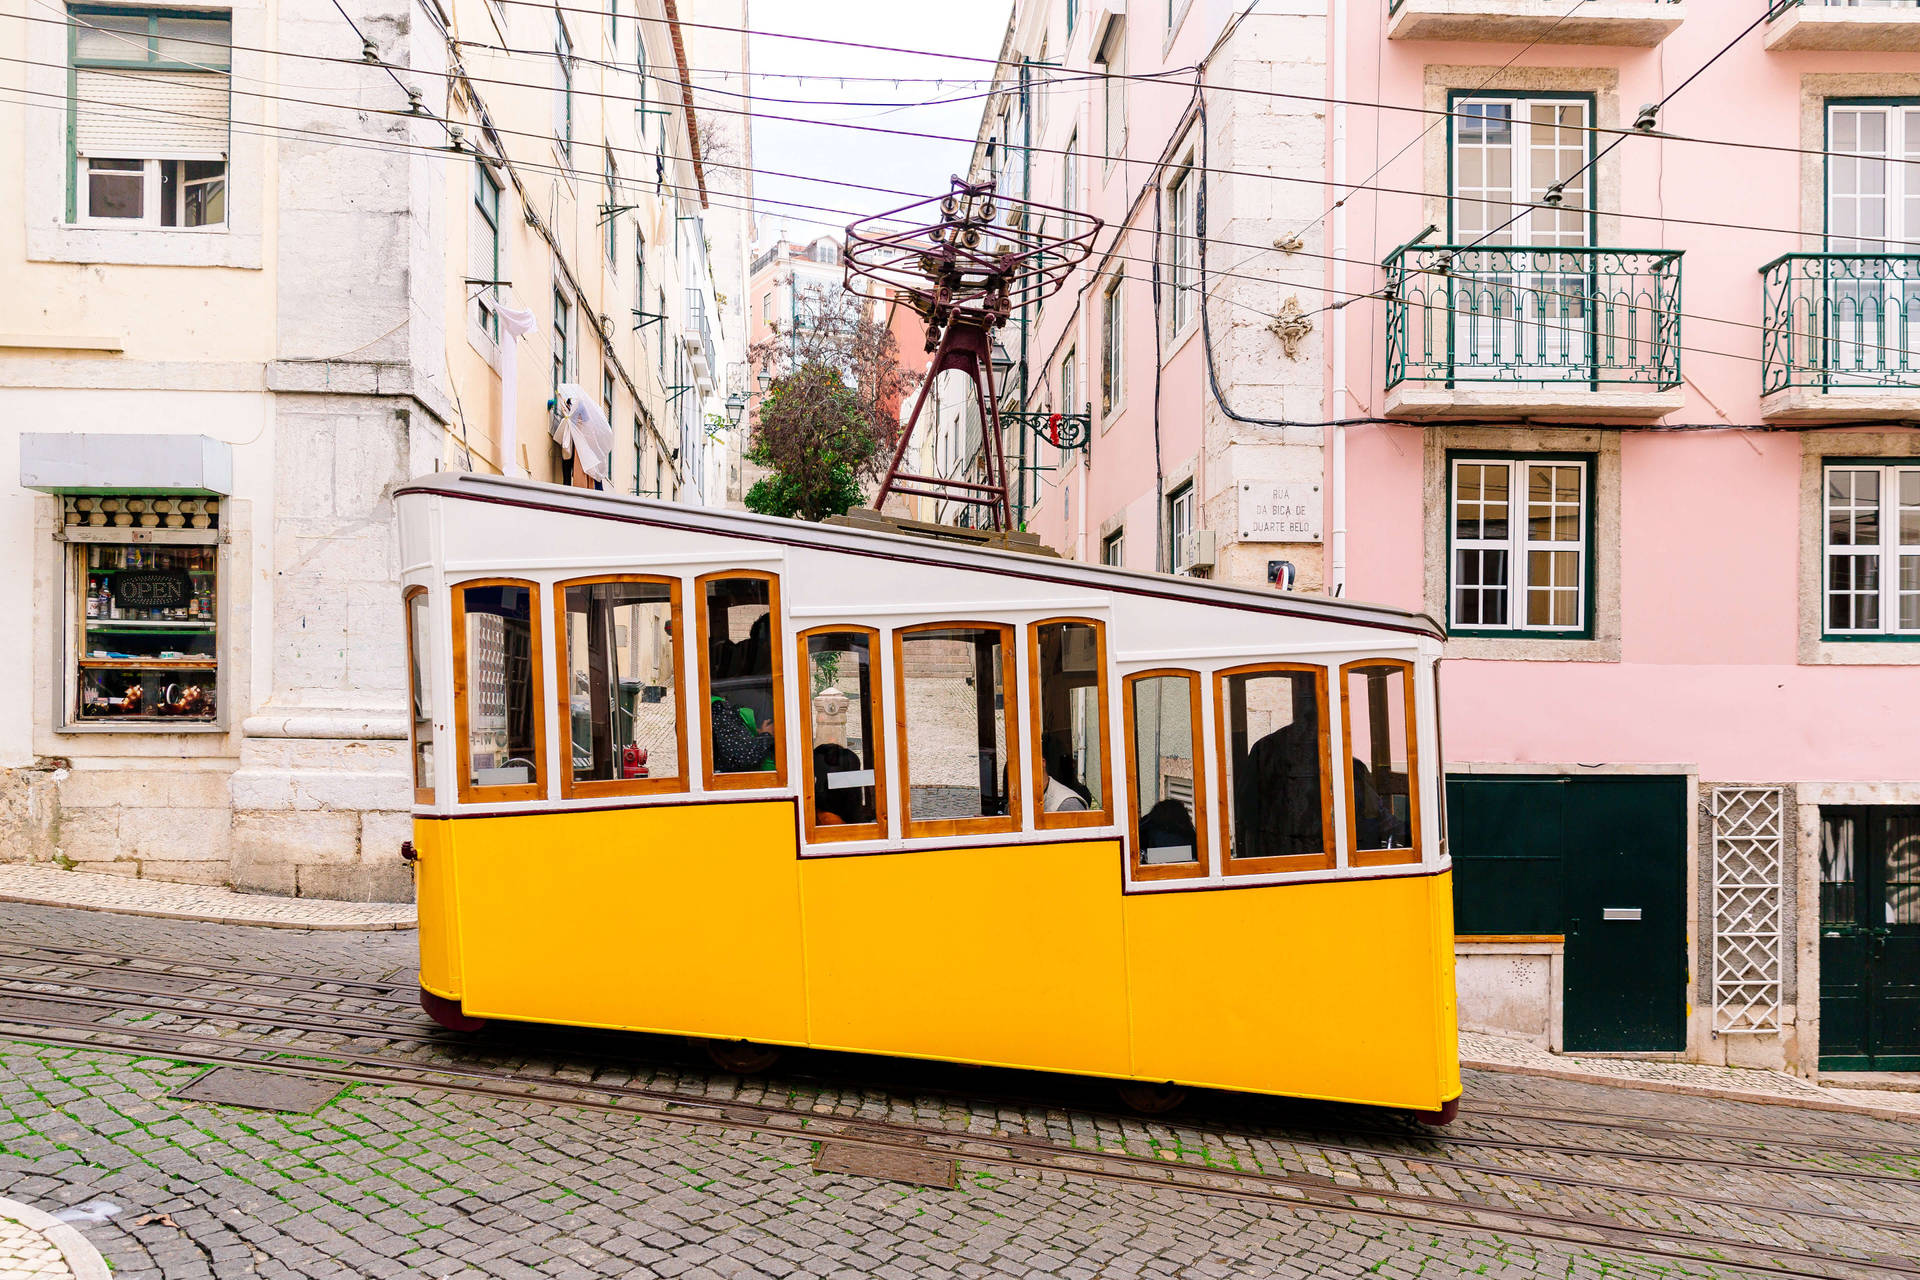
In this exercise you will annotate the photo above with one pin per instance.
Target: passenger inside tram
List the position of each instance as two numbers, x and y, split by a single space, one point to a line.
1167 834
1065 792
1275 764
740 674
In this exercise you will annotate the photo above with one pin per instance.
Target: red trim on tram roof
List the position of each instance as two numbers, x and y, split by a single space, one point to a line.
1412 626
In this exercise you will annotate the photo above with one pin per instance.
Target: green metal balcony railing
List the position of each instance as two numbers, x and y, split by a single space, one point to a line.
1840 320
1393 6
1523 315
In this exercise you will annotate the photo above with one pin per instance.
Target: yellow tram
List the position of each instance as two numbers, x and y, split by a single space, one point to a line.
771 783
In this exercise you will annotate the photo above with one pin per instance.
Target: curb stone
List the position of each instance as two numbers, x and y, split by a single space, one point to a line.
44 886
83 1260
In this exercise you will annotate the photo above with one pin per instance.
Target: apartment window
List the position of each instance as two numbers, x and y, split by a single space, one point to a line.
1272 722
1508 154
739 616
148 132
639 270
608 216
1112 352
639 452
1183 252
1068 398
1872 553
660 329
1113 89
606 392
1073 15
1867 324
1168 803
613 24
619 685
1068 663
419 690
766 307
1070 172
1113 549
1519 533
483 250
145 616
1383 795
844 763
562 85
1179 525
954 685
562 335
497 708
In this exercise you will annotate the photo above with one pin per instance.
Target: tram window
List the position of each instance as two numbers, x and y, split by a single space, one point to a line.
740 680
1273 732
1169 794
420 698
953 682
496 638
845 768
1070 724
1383 801
619 695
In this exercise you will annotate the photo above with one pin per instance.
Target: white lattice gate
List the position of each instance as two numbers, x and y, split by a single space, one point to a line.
1749 861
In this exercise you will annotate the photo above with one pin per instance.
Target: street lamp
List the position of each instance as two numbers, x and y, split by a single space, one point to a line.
766 382
736 408
1002 362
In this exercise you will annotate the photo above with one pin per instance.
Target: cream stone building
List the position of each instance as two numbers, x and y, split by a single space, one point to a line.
265 261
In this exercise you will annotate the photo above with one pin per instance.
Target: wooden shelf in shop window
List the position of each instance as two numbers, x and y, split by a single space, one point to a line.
142 624
146 664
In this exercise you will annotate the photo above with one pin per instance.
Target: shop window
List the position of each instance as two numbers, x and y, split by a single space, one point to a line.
420 692
845 766
145 575
619 686
1168 802
740 680
496 699
1070 774
1273 746
953 680
1383 800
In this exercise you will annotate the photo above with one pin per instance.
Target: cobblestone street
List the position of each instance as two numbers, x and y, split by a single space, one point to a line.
636 1159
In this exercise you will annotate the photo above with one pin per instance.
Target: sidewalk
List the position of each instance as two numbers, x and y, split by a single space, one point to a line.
37 1246
1737 1084
90 891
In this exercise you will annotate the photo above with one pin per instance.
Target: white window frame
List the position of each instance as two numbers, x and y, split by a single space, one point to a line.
1183 246
1112 56
1518 543
1179 524
486 297
1070 172
1068 379
1113 349
562 338
562 85
612 176
1886 552
1113 549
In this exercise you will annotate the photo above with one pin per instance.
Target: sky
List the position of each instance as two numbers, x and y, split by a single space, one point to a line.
973 27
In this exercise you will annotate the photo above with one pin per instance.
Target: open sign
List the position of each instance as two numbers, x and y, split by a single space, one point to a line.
151 589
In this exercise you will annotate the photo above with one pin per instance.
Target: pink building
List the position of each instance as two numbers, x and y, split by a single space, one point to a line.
1609 367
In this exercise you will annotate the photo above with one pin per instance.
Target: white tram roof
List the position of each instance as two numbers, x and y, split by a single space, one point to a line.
621 508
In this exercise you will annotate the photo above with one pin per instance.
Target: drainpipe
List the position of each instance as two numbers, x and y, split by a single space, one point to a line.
1337 576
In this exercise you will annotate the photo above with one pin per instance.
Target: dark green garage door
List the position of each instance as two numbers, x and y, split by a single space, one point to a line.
1601 860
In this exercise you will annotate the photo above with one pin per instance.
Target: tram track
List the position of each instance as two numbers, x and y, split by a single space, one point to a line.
1292 1191
409 1030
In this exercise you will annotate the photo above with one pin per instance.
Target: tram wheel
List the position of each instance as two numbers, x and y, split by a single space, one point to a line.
1151 1099
448 1013
1444 1115
740 1057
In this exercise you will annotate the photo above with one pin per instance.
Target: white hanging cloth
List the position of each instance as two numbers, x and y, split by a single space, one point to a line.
514 323
583 433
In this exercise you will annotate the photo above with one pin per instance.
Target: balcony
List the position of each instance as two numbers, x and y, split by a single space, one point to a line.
1519 331
1880 26
1633 23
1840 336
698 337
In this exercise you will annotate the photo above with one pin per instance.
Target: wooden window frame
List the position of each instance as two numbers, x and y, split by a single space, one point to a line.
1322 861
466 791
1202 865
1356 856
1103 816
1009 679
877 829
426 794
577 789
757 781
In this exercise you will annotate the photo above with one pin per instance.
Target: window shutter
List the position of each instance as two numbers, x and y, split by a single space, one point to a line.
150 115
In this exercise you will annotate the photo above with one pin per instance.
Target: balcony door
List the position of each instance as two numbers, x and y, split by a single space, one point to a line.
1869 321
1522 299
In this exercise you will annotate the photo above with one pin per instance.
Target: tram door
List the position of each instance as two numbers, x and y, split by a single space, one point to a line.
1870 938
1600 861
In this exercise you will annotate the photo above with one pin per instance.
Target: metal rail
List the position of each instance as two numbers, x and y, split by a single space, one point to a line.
1840 321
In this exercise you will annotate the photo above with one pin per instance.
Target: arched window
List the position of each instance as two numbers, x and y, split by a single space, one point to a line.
1168 799
954 681
843 757
420 694
498 711
1272 725
740 670
1383 788
1072 784
620 695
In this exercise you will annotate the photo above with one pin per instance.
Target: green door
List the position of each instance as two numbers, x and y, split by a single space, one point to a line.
1601 860
1870 938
